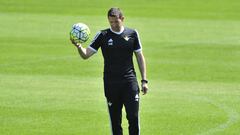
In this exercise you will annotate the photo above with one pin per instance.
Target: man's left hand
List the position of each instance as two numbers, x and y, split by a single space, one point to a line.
144 88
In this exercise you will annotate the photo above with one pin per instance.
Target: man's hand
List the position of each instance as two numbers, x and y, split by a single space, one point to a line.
144 88
85 53
74 43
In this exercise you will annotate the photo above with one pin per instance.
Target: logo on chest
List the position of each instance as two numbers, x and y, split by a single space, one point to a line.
126 38
110 42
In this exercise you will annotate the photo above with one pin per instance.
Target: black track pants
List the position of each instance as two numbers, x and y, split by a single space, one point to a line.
121 94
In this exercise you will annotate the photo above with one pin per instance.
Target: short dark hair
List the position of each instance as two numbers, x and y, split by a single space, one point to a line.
115 12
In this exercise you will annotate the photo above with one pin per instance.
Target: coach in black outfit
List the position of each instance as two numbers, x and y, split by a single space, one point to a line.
120 84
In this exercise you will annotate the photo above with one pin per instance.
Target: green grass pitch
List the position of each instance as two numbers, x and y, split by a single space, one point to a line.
192 49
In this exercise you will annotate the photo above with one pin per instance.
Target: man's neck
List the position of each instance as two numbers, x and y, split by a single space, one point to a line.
117 32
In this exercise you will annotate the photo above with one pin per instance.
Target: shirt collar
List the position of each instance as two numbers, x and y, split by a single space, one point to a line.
120 32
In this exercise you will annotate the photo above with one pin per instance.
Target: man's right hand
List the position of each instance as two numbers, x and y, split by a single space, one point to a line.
74 43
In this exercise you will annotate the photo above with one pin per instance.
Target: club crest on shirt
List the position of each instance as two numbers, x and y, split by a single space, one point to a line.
126 38
110 42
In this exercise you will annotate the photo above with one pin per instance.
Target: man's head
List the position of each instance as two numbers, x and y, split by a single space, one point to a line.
115 18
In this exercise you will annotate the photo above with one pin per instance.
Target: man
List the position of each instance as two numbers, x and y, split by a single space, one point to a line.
120 84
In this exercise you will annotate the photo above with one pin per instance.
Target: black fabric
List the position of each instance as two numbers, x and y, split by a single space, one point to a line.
127 95
117 50
120 83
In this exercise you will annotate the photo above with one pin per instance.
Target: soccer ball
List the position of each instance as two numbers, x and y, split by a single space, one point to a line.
79 33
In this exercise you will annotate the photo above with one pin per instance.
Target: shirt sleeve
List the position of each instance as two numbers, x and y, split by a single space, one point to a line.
96 42
137 43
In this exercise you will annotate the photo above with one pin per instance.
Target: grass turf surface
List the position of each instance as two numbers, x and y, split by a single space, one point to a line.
192 50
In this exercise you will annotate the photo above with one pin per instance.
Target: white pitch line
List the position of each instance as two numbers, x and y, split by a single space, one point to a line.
233 117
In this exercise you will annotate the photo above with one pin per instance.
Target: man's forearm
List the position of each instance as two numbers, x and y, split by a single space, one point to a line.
82 51
143 69
142 66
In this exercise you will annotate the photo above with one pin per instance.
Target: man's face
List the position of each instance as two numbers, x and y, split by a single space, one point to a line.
116 23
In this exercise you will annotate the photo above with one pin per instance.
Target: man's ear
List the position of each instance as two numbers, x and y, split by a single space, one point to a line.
122 18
